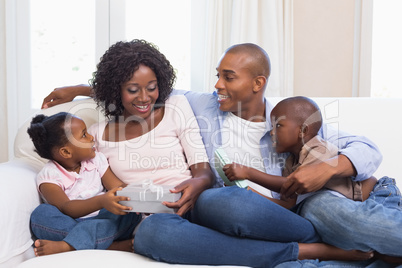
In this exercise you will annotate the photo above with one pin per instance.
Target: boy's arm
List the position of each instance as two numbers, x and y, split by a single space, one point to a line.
237 171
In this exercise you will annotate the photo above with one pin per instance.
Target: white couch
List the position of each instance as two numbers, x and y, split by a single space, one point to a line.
375 118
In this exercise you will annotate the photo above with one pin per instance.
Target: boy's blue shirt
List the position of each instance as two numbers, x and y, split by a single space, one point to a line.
363 153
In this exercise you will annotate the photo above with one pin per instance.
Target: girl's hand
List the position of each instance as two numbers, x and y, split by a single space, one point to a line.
236 171
111 202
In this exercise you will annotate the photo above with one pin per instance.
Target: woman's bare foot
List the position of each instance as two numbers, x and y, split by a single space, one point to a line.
124 245
325 252
47 247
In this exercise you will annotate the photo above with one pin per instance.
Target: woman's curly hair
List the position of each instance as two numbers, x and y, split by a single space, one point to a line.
118 65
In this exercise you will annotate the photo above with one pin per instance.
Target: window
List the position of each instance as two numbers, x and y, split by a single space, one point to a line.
170 31
386 49
62 45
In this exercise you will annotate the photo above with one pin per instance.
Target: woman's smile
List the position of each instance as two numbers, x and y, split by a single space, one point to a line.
142 108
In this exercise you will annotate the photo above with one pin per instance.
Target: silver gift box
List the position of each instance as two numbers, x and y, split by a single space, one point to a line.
148 197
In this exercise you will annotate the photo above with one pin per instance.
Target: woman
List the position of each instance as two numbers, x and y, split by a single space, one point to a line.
148 134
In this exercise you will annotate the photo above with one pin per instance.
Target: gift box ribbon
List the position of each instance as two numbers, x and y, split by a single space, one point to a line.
148 185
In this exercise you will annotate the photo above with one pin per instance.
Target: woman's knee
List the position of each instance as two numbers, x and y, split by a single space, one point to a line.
155 227
156 233
219 201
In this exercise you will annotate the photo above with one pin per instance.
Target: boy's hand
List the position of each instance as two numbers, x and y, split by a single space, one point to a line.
111 202
236 171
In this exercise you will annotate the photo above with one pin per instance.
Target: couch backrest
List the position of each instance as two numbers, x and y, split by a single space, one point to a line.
86 109
375 118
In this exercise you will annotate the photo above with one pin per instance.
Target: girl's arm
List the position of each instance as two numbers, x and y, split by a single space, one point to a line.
55 196
110 180
192 188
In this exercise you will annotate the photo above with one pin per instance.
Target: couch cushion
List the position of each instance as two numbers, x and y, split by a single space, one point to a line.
19 198
96 258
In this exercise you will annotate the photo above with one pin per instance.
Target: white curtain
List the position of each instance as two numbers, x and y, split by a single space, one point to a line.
267 23
3 94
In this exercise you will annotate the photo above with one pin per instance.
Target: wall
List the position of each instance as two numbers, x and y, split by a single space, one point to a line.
323 47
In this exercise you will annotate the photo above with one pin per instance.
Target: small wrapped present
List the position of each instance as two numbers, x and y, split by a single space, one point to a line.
148 197
222 159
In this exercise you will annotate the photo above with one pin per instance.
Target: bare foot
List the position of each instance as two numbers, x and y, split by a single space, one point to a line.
124 245
324 252
47 247
389 259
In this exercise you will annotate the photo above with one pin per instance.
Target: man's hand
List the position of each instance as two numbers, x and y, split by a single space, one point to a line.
313 177
305 179
65 94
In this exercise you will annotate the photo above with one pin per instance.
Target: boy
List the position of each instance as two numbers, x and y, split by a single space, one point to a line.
296 122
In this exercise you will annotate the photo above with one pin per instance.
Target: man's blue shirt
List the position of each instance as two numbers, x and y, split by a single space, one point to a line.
363 153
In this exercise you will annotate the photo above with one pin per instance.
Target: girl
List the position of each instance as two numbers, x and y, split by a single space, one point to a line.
77 213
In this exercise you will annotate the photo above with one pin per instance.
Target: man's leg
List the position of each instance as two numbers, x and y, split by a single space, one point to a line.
348 224
386 192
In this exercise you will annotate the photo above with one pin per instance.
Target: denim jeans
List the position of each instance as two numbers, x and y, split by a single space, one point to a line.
228 226
386 192
375 224
336 264
47 222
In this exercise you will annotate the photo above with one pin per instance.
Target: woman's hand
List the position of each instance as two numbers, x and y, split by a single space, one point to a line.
192 188
65 94
110 201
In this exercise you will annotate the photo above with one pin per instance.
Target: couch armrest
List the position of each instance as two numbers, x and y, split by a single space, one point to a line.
18 198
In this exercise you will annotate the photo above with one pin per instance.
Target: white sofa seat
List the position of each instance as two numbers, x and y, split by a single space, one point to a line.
374 118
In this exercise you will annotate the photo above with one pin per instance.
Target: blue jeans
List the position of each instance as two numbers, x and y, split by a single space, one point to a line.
336 264
375 224
99 232
228 226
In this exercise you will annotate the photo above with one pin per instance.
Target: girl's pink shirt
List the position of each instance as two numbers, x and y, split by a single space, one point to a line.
86 184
